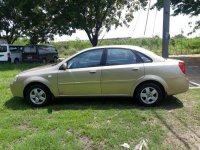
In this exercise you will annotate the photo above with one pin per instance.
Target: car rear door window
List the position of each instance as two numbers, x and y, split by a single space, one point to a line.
117 56
86 59
30 49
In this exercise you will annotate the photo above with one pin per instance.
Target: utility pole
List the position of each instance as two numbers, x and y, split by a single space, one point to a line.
166 35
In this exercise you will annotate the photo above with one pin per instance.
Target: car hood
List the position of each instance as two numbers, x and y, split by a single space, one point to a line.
38 70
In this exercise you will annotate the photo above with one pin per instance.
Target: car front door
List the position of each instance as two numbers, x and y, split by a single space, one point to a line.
121 71
83 75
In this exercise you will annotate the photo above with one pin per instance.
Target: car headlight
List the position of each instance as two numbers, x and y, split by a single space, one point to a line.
15 78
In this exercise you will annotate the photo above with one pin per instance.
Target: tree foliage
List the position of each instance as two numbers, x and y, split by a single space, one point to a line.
24 19
94 16
37 23
188 7
11 21
40 20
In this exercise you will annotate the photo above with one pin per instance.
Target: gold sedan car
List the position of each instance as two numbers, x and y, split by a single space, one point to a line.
127 71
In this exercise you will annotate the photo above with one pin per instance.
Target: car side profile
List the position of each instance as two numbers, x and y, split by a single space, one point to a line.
10 53
39 53
127 71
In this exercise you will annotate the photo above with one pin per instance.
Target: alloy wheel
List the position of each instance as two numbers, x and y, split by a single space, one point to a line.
149 95
37 96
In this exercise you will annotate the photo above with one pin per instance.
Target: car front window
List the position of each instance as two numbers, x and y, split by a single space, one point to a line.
120 57
3 49
86 59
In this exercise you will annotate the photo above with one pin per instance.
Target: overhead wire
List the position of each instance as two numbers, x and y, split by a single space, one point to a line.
137 21
147 17
154 22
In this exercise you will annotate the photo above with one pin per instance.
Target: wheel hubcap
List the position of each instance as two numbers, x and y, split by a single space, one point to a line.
149 95
37 96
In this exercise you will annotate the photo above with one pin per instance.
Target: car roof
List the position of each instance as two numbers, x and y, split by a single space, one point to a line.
149 53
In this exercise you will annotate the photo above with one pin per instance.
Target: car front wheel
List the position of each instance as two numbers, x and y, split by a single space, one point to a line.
149 94
38 95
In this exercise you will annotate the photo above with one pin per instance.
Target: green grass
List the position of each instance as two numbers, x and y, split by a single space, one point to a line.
177 45
93 123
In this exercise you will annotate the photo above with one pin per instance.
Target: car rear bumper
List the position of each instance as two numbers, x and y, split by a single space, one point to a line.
178 85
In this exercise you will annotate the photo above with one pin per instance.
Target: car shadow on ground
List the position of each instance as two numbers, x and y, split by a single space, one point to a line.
102 103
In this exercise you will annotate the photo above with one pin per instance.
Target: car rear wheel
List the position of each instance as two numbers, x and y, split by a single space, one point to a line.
38 95
16 61
55 59
149 94
44 60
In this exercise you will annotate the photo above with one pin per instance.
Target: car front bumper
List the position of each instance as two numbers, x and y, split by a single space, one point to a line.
16 89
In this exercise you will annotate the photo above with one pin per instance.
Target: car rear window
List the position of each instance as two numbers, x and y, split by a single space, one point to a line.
3 49
29 49
46 49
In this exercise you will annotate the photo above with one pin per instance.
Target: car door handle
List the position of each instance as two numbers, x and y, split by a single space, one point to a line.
93 71
135 69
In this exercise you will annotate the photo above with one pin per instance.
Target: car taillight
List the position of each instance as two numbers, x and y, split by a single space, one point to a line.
182 67
8 54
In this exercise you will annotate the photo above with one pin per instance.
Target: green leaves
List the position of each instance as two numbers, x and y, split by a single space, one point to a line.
40 20
187 7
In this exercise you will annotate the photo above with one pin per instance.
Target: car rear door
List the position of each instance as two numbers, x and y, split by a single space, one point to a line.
30 53
82 78
121 71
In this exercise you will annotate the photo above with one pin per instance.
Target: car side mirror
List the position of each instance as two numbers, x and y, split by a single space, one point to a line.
64 66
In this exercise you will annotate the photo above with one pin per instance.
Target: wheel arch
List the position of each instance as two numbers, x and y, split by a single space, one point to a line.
16 58
35 83
163 88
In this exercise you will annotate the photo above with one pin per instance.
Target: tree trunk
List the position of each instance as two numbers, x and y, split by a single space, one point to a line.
94 40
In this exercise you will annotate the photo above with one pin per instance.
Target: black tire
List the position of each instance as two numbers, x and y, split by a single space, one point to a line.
44 60
55 59
41 95
149 94
16 61
9 60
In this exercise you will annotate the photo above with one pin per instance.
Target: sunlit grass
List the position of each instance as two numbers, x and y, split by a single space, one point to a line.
88 123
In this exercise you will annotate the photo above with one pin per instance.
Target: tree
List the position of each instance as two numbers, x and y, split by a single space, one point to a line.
11 25
94 16
37 24
26 18
188 7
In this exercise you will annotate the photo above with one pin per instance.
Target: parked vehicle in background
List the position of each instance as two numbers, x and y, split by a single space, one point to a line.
11 53
40 53
128 71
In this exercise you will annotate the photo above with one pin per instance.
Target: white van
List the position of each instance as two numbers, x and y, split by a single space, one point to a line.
10 53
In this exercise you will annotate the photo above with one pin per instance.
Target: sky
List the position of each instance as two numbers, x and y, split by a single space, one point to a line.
137 26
